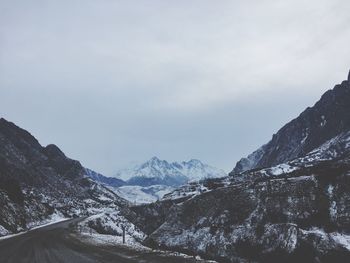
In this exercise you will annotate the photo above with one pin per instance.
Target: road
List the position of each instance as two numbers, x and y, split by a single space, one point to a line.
58 244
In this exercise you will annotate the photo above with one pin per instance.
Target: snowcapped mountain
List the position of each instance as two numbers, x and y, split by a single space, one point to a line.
150 181
161 172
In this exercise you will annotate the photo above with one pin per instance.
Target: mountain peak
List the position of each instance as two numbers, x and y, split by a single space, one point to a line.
17 134
4 122
194 161
155 162
155 159
53 151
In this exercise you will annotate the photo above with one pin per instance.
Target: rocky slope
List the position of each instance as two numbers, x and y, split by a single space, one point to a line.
316 125
301 215
39 183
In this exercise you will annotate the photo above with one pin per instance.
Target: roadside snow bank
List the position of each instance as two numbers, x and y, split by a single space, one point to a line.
108 227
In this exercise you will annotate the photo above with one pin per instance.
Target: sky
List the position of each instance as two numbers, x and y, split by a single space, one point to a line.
116 82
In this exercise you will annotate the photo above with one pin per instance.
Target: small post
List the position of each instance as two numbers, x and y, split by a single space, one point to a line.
123 227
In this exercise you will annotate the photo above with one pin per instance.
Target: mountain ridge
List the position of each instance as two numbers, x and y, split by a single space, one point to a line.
161 172
314 126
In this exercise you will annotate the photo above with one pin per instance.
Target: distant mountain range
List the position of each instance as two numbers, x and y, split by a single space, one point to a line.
150 181
161 172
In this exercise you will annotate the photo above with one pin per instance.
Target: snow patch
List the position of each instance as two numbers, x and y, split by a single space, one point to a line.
142 195
3 231
342 239
281 169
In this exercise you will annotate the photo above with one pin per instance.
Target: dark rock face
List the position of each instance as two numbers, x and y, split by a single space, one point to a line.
23 159
36 182
329 117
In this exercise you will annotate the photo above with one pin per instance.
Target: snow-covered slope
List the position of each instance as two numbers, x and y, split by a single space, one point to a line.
161 172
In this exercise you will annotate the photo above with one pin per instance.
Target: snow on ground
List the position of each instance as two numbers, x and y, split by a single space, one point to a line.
3 231
13 235
342 239
142 195
106 229
316 231
109 240
281 169
338 238
100 239
329 150
191 189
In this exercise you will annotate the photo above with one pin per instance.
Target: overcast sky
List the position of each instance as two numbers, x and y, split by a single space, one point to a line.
117 82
